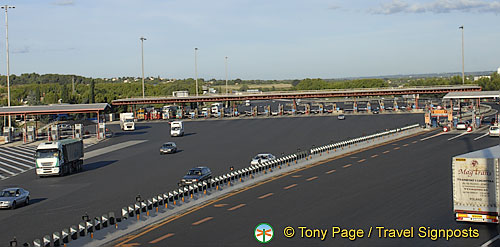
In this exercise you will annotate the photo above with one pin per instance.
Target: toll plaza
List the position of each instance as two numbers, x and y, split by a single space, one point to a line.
54 131
462 107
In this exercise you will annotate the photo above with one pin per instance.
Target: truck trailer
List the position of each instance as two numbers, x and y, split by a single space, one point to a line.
59 158
476 195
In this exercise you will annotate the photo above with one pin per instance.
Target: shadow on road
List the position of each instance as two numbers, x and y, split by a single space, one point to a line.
141 127
189 134
123 133
37 200
97 165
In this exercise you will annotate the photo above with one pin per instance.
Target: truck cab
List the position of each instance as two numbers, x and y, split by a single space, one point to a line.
176 128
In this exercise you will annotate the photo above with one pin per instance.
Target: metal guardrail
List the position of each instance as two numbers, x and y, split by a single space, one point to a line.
89 225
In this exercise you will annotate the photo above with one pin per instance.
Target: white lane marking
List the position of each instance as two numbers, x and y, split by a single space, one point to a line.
429 137
457 136
31 152
24 158
7 171
26 149
490 241
2 177
112 148
11 166
477 138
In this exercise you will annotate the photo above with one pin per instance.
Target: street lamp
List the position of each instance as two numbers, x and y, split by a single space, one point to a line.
226 77
142 55
463 71
196 69
6 7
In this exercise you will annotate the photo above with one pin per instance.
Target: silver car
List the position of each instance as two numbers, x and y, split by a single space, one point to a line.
13 197
168 148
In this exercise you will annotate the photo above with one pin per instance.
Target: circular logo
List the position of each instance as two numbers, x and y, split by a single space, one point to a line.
264 233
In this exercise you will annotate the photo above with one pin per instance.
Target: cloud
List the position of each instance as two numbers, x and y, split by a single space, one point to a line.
437 7
64 3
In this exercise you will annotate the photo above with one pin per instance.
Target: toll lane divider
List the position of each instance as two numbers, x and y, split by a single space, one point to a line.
103 229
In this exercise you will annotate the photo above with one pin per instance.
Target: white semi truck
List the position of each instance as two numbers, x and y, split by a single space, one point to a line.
176 128
59 157
127 121
476 191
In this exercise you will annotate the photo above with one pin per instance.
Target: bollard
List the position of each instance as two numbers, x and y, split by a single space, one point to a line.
81 229
111 219
65 235
124 213
131 210
37 243
97 223
46 241
104 220
56 238
90 228
73 231
143 206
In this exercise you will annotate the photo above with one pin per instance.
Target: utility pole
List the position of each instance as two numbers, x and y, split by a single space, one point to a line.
142 56
6 7
463 70
196 69
227 92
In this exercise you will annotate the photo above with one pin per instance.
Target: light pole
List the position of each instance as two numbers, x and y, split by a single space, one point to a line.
196 69
463 71
227 92
6 7
142 55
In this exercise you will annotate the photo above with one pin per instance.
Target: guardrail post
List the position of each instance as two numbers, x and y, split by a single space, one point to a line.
37 243
56 238
73 231
65 235
46 241
90 228
82 230
104 220
137 207
97 223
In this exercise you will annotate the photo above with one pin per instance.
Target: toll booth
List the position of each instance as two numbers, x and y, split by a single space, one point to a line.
30 135
254 111
101 130
478 122
455 122
179 114
280 109
55 132
78 134
321 109
192 114
308 109
368 107
8 134
382 107
355 107
266 110
334 108
396 107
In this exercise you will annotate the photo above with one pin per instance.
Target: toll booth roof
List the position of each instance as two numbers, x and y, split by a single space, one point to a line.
491 152
52 109
472 95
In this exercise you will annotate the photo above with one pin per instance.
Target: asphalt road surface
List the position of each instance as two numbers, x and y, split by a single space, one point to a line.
112 180
403 184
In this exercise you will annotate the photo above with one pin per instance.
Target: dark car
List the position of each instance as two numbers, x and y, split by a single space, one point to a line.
375 112
168 148
196 175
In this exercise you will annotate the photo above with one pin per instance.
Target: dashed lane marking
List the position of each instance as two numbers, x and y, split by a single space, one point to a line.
168 235
236 207
266 195
289 186
330 171
202 221
312 178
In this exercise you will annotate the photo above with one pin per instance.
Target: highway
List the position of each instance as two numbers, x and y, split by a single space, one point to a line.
403 184
114 175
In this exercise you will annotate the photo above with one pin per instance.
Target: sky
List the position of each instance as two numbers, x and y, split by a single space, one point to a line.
263 39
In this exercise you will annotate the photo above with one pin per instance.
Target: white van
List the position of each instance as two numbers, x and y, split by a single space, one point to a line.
176 128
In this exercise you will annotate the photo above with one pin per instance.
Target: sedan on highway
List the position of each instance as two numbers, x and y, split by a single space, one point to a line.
261 158
341 117
196 175
168 148
494 131
13 197
462 126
